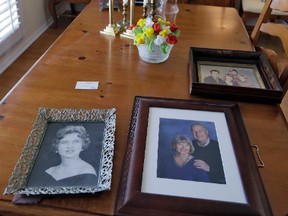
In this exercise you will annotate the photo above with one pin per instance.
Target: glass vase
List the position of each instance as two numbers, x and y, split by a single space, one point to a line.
154 56
167 10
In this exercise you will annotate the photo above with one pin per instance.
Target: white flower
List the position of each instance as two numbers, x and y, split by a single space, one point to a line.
149 22
166 27
159 40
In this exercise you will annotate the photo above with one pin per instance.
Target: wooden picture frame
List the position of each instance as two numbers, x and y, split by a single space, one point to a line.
242 75
142 192
82 139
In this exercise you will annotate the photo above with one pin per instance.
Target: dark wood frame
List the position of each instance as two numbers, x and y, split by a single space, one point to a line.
130 199
272 93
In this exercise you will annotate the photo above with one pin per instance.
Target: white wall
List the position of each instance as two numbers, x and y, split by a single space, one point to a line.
36 19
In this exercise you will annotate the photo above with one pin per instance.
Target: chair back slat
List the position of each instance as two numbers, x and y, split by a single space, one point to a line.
279 30
263 18
281 5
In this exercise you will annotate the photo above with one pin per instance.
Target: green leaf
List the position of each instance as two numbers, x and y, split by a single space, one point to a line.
137 30
177 33
150 43
164 47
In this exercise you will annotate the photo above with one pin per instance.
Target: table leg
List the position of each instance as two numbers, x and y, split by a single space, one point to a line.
51 7
73 9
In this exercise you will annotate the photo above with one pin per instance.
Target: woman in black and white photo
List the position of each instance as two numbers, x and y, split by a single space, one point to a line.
68 143
69 164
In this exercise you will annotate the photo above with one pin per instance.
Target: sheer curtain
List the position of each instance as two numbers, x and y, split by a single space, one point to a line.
10 25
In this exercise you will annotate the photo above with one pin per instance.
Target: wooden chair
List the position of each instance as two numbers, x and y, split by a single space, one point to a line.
279 30
221 3
252 9
52 3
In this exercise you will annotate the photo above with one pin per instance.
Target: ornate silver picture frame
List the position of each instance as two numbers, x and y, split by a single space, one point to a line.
69 151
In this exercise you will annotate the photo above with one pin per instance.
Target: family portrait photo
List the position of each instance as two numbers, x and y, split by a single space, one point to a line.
189 153
189 150
230 74
69 155
186 155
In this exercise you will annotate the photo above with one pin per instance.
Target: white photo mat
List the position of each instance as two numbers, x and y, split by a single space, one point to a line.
232 191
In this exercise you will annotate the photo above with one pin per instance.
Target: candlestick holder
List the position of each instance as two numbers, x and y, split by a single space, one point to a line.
111 29
144 14
152 9
128 33
124 23
104 4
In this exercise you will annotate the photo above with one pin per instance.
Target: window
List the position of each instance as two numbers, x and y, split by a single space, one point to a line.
10 26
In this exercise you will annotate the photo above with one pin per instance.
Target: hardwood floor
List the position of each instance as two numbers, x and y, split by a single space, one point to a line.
15 71
11 76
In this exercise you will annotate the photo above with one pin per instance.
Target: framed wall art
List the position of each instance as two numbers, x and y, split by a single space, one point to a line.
233 75
69 151
189 158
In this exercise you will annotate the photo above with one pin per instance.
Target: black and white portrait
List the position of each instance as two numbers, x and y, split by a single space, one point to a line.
69 155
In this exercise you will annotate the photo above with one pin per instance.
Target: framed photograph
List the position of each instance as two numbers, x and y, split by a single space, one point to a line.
233 75
189 158
69 151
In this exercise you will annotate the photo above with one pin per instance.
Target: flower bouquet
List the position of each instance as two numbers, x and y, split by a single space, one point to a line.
154 39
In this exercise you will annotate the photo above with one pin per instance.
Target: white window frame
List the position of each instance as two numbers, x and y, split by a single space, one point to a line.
11 10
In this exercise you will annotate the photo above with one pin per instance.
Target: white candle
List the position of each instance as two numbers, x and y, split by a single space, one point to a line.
145 2
125 1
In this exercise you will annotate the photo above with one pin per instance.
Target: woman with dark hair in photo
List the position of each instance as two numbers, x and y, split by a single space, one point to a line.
180 164
72 171
229 80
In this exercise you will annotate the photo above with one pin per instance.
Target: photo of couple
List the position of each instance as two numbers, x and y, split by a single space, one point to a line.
189 150
229 76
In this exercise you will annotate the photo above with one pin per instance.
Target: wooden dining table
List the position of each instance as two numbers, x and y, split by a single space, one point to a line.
81 53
